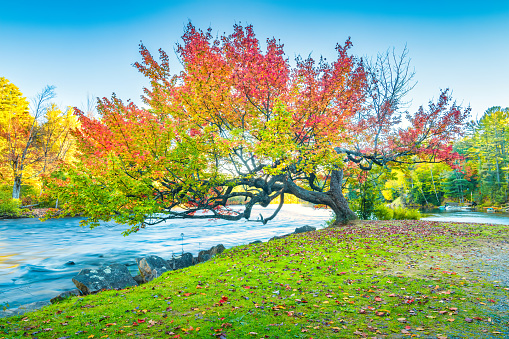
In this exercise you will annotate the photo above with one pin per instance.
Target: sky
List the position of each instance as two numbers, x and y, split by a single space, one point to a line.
87 48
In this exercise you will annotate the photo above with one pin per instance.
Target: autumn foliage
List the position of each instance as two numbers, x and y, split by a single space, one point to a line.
239 121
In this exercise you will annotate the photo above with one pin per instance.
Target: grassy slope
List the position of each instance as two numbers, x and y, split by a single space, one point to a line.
375 279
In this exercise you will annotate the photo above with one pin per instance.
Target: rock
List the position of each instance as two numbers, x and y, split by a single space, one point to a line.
207 254
139 279
24 309
152 267
218 249
305 228
185 260
70 263
256 242
115 276
203 256
65 295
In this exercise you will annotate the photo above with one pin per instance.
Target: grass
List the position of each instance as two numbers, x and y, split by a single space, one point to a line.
378 279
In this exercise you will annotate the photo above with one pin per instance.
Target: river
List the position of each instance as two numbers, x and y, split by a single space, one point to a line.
34 255
468 216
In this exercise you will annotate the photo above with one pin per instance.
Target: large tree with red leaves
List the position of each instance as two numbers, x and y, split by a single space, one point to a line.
238 121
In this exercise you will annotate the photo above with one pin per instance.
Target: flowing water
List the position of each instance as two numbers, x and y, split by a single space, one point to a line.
468 216
34 255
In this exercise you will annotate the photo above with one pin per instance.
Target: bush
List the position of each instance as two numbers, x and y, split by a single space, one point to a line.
9 207
383 212
401 213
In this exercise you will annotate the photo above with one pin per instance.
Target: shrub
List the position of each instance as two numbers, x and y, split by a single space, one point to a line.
401 213
383 212
9 207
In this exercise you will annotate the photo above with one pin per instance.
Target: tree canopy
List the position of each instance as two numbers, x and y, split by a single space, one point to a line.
239 122
32 141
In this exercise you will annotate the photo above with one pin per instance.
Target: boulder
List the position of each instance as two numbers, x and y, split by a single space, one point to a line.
152 267
115 276
65 295
207 254
185 260
202 257
139 279
305 228
218 249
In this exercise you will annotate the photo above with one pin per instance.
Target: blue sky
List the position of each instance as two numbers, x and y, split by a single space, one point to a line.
88 47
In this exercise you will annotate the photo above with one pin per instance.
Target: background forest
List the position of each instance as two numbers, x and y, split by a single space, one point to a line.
480 176
36 138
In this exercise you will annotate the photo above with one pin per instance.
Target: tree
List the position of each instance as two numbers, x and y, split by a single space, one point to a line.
240 122
12 104
31 141
365 192
485 149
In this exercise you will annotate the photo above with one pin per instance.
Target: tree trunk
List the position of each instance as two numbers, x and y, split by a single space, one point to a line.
424 196
434 187
334 198
16 188
339 204
498 172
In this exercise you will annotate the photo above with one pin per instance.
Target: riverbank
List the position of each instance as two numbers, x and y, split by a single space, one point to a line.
382 279
31 213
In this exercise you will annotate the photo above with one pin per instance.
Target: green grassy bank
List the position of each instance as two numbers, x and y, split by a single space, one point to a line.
378 279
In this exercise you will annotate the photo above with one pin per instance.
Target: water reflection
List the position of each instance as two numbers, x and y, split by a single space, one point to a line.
34 255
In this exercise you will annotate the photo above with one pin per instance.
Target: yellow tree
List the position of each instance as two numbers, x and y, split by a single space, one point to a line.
30 142
17 129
